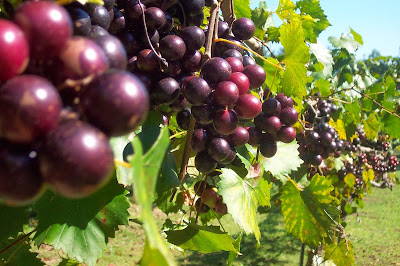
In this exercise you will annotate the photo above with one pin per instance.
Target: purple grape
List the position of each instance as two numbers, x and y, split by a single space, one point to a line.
114 51
255 136
192 61
239 137
268 147
287 134
248 106
204 114
289 116
172 47
155 18
204 163
200 139
218 149
225 122
166 91
226 93
183 119
241 81
271 107
256 75
243 28
193 37
196 91
272 125
216 70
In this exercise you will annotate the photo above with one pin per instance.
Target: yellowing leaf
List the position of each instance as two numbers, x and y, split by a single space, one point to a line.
296 56
368 175
339 126
285 9
371 126
350 180
341 254
310 214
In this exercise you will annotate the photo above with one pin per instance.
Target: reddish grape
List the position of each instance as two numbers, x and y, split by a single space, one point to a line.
226 93
235 63
256 75
248 106
220 207
216 70
289 116
147 61
14 50
199 187
241 81
233 53
76 159
287 134
272 125
218 149
225 121
30 108
200 139
114 51
155 18
46 25
209 197
243 28
239 137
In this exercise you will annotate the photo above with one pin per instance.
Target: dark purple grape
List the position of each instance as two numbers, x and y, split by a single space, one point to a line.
134 12
131 44
111 15
259 121
316 159
220 207
173 69
223 29
97 31
193 37
76 159
183 119
248 60
356 141
282 99
204 163
192 7
236 64
116 102
332 131
154 37
30 108
271 106
155 18
195 20
14 50
109 4
196 91
287 134
192 61
272 125
226 93
82 57
312 137
46 25
225 122
243 28
268 147
199 187
218 149
169 24
256 75
322 127
289 102
204 114
289 116
332 147
209 197
200 139
165 91
239 137
172 47
326 138
20 180
233 53
255 136
216 70
98 15
147 61
200 207
231 157
81 21
248 106
241 81
223 46
179 104
114 51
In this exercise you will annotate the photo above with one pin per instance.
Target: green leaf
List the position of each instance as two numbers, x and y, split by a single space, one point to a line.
323 87
345 42
19 253
262 18
273 34
285 9
392 126
273 74
12 221
82 227
310 214
341 254
204 239
145 172
118 144
236 244
371 126
323 56
285 161
357 37
243 196
242 8
296 56
354 108
313 8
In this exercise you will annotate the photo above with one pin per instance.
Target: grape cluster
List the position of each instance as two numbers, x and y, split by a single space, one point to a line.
380 165
273 124
64 92
208 198
319 140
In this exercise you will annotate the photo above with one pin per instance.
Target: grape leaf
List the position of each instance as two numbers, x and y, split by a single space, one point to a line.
12 221
296 56
323 87
242 8
354 108
145 172
273 34
285 9
309 213
82 227
341 254
344 42
371 126
323 56
19 253
357 37
273 74
204 239
313 8
339 126
308 25
392 126
262 18
285 160
236 244
119 145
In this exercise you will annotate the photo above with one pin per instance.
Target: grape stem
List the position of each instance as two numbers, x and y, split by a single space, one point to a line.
16 242
294 184
251 51
211 28
186 154
122 163
160 58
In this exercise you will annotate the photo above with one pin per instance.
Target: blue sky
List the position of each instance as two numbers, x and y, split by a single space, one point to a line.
378 22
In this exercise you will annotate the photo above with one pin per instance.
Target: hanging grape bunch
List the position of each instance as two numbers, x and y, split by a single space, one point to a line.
64 92
319 140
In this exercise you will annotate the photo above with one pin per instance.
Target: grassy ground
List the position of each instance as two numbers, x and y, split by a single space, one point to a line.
375 233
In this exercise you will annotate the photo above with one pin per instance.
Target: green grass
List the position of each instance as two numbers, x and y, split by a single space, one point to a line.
375 234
